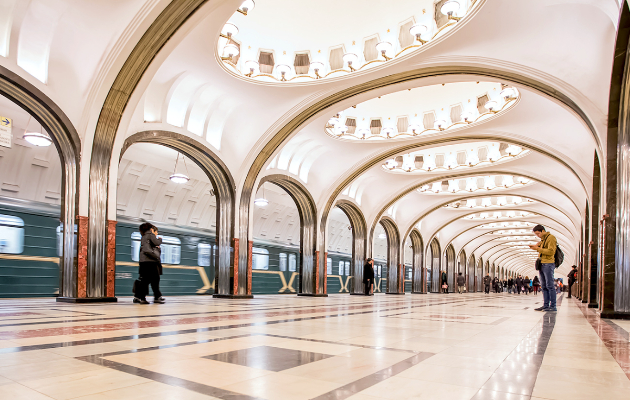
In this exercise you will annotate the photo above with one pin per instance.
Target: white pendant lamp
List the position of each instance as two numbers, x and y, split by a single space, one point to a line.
39 139
179 178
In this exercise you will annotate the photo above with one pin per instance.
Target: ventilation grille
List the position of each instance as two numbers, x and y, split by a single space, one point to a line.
429 120
301 64
369 50
456 113
237 57
375 127
404 37
266 62
351 123
483 154
439 160
440 19
336 59
461 158
402 124
481 104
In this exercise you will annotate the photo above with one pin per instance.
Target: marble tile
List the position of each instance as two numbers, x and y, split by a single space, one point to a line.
268 358
280 386
16 391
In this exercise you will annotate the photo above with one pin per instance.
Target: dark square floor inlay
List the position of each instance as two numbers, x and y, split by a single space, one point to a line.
269 358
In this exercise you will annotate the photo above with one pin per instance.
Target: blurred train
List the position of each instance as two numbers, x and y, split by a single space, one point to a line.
31 240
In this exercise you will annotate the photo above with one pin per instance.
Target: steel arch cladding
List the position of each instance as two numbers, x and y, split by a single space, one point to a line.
224 188
68 145
359 242
311 275
418 278
436 265
394 268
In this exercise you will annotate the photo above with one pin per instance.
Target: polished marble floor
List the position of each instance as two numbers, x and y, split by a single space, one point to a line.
470 346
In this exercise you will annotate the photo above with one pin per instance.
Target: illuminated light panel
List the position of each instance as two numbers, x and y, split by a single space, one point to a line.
475 184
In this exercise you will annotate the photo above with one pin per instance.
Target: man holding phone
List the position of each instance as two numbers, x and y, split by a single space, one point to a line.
547 250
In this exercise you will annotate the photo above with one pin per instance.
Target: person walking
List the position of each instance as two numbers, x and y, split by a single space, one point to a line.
487 281
444 280
510 285
150 265
519 284
536 285
461 283
572 278
505 285
547 250
526 284
368 276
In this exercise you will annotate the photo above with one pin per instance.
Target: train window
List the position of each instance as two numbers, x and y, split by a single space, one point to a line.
283 261
260 258
379 271
11 234
292 262
171 248
60 240
341 268
410 276
329 266
347 264
204 254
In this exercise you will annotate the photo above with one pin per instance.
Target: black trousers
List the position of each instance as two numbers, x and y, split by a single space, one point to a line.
149 275
571 282
368 285
487 289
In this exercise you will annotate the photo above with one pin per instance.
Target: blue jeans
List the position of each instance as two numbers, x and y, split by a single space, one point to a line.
546 284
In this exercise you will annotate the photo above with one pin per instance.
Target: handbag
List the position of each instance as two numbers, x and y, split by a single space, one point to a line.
445 286
538 264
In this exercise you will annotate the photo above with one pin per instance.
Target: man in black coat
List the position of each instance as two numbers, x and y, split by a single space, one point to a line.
572 278
487 281
368 276
519 284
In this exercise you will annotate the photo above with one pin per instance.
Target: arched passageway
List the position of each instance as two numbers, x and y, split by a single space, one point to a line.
471 278
359 244
418 278
394 268
451 268
433 267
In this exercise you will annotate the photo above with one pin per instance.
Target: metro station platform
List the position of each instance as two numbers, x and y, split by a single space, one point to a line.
470 346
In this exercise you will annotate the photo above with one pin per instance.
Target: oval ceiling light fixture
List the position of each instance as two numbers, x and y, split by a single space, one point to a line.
176 177
39 139
428 110
317 66
472 184
382 236
231 50
350 59
454 156
257 35
283 69
252 66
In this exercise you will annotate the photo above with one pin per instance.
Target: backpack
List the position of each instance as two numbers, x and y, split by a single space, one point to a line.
558 257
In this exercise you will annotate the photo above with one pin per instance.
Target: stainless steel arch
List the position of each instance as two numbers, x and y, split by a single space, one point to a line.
68 145
224 188
394 274
418 278
309 282
359 242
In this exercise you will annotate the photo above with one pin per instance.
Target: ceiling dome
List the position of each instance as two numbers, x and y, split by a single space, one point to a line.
275 41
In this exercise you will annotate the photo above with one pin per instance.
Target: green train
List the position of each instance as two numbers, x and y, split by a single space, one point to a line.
31 239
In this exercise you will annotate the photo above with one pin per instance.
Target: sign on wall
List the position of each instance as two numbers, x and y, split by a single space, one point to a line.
6 136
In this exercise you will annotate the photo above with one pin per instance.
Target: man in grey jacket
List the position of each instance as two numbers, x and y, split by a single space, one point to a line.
461 283
150 265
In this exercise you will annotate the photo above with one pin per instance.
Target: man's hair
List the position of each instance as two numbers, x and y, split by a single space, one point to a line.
575 266
538 228
460 273
144 228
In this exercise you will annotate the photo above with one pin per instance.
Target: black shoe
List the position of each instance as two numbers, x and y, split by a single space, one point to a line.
159 300
540 309
140 301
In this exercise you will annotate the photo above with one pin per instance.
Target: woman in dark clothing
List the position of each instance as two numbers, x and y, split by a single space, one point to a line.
368 276
444 282
150 265
526 283
536 284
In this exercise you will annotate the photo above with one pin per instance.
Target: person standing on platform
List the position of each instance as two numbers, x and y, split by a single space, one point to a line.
487 281
444 280
150 265
461 283
519 284
368 276
536 284
572 278
547 250
526 284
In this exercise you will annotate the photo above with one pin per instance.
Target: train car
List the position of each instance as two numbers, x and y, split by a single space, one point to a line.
31 240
